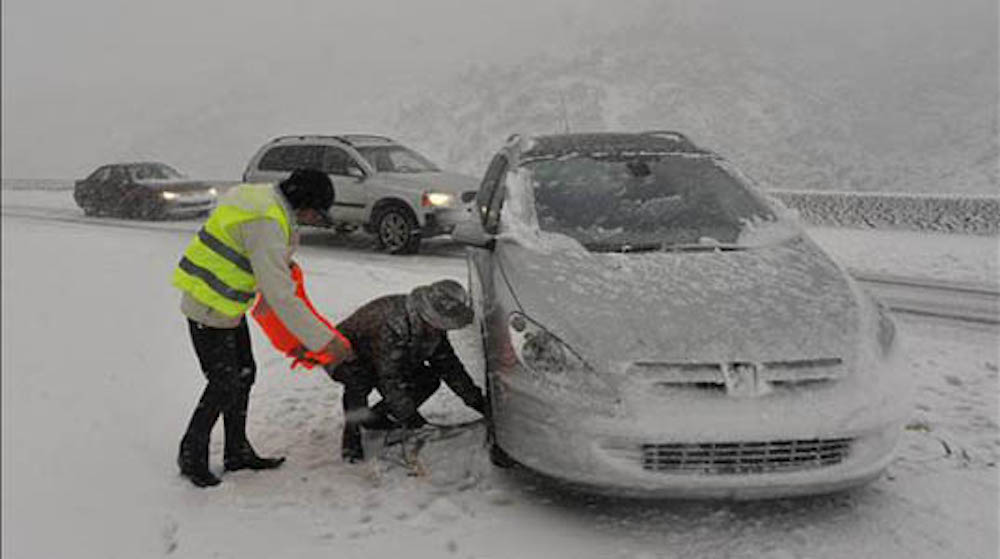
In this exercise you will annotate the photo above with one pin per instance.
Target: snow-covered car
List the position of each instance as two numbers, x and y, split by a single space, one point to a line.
653 325
143 190
380 185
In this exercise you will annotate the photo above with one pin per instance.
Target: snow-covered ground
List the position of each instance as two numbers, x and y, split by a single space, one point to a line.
98 379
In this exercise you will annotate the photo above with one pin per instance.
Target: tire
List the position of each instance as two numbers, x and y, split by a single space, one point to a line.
500 458
397 230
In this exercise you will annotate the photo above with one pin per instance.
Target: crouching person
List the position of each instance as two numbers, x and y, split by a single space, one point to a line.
402 351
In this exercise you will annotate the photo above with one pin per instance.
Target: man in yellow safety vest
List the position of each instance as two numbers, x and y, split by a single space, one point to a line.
245 247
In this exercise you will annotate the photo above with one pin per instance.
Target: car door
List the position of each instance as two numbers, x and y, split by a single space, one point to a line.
117 190
350 185
485 272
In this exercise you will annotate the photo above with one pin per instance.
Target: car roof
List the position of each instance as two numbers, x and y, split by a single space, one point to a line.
132 164
349 139
611 143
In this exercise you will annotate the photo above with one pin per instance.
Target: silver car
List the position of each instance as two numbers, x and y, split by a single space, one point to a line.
380 185
654 326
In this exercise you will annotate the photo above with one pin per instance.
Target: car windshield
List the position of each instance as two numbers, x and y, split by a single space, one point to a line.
396 159
153 171
649 202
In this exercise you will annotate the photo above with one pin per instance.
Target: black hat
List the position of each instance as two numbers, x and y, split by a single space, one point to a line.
442 304
308 188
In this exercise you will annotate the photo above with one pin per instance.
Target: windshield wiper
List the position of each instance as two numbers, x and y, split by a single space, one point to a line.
702 247
623 247
626 248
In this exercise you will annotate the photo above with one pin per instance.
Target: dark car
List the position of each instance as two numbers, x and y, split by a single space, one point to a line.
146 190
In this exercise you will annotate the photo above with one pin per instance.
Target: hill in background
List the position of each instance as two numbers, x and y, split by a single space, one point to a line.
897 98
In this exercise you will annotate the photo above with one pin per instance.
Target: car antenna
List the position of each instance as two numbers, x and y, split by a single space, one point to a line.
565 113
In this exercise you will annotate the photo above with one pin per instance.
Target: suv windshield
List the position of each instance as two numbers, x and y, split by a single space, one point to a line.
649 202
147 171
396 159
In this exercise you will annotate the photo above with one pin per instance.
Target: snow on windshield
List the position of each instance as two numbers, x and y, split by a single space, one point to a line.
607 203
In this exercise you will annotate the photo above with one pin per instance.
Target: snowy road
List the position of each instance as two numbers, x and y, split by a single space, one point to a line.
98 378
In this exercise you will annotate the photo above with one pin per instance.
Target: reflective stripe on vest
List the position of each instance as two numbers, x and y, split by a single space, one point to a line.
215 268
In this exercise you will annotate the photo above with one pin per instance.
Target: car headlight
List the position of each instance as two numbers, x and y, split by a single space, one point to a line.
169 195
539 349
213 192
437 199
558 366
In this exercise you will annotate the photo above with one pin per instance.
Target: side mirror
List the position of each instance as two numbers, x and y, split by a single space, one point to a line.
470 233
356 172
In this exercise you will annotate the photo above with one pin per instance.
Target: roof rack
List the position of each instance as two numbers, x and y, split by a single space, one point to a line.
669 135
301 137
354 138
349 139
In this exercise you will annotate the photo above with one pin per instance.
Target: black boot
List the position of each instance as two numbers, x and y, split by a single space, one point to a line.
239 455
192 457
351 449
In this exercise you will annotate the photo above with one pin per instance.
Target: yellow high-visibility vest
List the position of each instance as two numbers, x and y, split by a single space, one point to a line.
215 269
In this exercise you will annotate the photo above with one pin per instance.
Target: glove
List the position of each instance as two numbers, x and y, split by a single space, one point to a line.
339 349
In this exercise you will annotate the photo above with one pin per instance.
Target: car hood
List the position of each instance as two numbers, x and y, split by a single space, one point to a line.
440 181
175 185
784 302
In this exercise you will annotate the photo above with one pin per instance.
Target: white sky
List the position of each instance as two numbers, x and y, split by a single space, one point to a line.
81 80
99 80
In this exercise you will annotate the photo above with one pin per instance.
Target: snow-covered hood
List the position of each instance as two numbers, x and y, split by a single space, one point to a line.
440 181
175 185
763 304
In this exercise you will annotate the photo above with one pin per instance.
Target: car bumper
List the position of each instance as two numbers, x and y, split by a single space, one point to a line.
701 449
183 206
442 221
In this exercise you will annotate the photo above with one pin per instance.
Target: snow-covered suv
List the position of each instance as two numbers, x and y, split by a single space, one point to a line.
381 186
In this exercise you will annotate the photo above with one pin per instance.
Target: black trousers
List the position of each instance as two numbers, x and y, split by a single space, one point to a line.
359 383
226 360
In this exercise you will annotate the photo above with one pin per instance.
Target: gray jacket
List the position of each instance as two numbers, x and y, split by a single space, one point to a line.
270 257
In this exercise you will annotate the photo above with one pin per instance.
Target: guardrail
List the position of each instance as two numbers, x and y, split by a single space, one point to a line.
943 299
942 213
67 184
968 214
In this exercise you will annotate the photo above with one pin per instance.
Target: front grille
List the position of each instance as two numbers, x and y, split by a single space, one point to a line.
744 457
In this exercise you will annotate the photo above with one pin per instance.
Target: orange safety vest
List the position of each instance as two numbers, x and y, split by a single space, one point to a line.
282 339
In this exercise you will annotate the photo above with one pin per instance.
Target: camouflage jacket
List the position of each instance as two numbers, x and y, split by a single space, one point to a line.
392 344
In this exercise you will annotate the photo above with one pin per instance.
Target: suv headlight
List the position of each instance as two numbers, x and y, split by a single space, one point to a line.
167 195
557 365
437 199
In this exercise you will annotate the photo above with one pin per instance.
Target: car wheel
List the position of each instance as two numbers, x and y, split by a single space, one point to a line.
500 458
397 230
